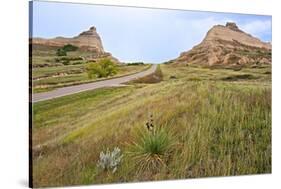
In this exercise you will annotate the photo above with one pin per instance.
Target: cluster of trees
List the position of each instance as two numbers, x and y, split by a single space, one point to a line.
135 63
102 68
66 48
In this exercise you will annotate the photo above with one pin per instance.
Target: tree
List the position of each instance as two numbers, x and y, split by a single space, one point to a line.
103 68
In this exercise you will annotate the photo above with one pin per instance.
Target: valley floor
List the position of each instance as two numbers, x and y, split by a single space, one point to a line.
218 122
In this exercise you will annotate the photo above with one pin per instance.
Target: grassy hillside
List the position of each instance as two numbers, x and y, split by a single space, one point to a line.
206 122
50 71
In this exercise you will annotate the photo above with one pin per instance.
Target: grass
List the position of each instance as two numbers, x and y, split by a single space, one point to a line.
211 127
51 82
155 77
239 77
151 149
50 72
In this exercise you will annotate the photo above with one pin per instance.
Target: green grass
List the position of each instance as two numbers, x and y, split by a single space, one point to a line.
73 75
50 72
213 127
155 77
151 149
54 70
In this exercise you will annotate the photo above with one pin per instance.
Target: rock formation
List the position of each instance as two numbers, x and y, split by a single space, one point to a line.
87 40
227 45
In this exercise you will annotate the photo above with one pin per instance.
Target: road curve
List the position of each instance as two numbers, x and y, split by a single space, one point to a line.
90 86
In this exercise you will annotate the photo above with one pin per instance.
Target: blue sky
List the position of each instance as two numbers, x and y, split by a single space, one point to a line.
139 34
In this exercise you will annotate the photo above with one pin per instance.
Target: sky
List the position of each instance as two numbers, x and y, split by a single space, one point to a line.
140 34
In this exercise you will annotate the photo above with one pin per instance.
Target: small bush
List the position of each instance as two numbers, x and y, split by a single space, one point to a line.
110 160
195 79
76 63
69 47
65 62
66 48
103 68
61 52
155 77
69 60
239 77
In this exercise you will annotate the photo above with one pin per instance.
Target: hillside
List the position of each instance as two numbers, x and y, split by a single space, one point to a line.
89 41
217 123
227 45
51 71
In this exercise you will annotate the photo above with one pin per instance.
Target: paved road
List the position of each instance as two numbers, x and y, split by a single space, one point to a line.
89 86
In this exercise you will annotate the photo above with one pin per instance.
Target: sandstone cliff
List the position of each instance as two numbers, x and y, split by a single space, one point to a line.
87 40
227 45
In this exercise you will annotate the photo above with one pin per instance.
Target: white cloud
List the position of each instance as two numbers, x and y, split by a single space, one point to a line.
257 27
192 31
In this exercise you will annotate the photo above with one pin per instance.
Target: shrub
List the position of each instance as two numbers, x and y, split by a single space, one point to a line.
239 77
76 63
68 60
69 47
135 64
110 160
65 62
103 68
151 148
195 79
61 52
173 77
155 77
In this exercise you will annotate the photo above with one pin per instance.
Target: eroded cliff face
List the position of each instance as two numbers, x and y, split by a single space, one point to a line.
87 40
227 45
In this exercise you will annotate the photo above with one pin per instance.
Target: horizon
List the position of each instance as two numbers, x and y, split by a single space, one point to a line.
134 34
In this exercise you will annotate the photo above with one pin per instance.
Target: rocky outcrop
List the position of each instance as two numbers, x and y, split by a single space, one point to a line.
88 40
227 45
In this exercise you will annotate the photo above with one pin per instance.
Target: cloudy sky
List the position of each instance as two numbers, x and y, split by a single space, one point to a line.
139 34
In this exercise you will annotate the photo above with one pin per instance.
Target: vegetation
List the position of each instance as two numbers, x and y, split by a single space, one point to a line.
66 48
68 59
155 77
203 125
103 68
152 148
135 63
239 77
69 47
110 160
50 71
61 52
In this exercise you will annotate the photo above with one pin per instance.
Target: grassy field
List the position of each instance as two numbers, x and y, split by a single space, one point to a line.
50 71
206 122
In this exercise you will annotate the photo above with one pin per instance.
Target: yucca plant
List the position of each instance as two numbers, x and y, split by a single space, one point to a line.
151 147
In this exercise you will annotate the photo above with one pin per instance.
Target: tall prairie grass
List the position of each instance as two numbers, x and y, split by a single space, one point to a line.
211 128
